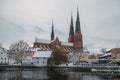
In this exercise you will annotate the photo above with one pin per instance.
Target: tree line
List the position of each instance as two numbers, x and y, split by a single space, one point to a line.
18 49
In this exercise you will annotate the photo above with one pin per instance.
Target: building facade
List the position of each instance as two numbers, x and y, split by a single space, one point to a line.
115 53
4 59
40 58
75 42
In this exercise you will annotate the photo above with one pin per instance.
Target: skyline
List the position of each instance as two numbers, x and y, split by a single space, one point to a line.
26 19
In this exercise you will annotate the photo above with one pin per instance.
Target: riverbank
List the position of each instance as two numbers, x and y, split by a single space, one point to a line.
69 68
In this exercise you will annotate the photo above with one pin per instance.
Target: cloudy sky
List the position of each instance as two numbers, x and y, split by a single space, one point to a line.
27 19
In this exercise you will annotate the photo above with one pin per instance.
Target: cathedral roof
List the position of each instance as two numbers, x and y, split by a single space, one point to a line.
43 41
42 54
48 42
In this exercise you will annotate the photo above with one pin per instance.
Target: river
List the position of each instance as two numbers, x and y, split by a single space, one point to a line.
52 75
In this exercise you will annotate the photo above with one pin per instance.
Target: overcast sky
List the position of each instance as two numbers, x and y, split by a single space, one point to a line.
27 19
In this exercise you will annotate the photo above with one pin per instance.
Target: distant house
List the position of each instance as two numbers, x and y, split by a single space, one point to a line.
4 59
115 54
40 58
27 60
92 58
105 58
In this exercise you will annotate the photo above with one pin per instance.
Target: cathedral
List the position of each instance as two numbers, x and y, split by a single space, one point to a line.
75 42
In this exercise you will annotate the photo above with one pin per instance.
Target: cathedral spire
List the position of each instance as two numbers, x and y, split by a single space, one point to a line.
71 33
35 38
77 29
77 13
71 26
52 33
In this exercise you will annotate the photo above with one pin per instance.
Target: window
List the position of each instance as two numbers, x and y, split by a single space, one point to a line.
44 58
37 58
43 62
37 61
1 58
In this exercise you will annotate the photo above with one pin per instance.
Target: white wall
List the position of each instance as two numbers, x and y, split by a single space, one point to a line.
40 61
4 59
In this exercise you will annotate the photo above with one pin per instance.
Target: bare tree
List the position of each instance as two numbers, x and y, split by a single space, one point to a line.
0 45
17 50
103 50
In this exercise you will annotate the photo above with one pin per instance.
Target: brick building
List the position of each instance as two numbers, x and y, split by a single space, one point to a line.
115 53
74 43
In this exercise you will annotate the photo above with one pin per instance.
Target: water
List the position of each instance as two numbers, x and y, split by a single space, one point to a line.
52 75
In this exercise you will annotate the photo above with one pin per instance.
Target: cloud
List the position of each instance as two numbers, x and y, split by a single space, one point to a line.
96 42
59 32
99 20
9 29
38 29
10 32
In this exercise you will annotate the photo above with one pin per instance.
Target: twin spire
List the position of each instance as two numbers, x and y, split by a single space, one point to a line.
71 33
77 28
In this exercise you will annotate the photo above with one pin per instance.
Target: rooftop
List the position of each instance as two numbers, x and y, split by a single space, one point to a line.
42 54
43 41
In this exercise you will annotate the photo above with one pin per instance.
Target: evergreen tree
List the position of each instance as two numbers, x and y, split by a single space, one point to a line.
57 57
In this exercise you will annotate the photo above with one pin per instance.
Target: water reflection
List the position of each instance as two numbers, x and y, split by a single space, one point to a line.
52 75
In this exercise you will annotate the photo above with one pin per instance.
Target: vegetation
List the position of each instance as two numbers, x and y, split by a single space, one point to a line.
17 50
0 45
103 50
57 57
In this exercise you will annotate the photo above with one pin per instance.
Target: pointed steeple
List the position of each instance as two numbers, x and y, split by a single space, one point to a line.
78 29
71 26
52 33
71 33
35 38
77 13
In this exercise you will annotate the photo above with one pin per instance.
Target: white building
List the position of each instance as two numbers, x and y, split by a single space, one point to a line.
40 58
4 59
27 60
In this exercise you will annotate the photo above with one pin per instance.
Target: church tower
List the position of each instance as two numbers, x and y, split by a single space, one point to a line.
78 43
71 33
52 33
